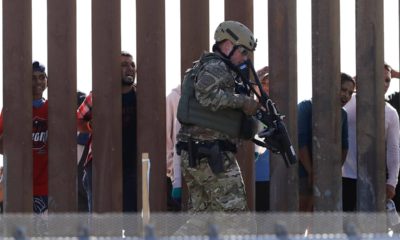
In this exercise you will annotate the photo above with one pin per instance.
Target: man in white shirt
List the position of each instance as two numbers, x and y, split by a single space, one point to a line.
349 169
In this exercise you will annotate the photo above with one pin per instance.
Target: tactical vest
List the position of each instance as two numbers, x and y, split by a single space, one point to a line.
190 112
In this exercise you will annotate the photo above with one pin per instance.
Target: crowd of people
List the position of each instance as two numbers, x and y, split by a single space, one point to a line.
204 125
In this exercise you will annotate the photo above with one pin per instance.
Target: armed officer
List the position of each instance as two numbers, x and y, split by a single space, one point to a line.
214 117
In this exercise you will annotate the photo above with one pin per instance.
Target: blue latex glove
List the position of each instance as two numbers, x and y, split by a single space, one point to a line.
176 193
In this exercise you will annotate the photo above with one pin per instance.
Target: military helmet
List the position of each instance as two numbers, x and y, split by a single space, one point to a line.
237 33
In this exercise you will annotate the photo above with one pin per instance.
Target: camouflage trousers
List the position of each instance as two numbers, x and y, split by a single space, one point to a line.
214 192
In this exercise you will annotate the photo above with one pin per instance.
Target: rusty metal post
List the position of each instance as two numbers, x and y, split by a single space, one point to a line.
151 95
107 106
17 110
370 106
283 87
62 114
326 113
194 31
194 41
242 11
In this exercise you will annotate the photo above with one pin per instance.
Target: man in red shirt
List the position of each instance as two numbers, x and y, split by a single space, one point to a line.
39 138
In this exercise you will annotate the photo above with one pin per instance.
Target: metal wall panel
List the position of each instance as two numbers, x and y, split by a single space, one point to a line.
151 95
62 114
17 110
326 114
194 31
370 106
107 106
283 88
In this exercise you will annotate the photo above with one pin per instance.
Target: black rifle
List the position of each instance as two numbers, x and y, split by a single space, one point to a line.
275 135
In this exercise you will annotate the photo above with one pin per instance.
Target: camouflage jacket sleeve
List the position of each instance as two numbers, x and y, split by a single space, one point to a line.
215 87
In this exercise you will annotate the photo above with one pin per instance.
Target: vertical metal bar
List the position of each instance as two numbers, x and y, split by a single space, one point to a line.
370 106
242 11
107 106
326 113
17 110
194 40
283 79
62 114
151 94
194 31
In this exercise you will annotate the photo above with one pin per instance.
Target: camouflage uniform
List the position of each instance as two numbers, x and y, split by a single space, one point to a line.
214 89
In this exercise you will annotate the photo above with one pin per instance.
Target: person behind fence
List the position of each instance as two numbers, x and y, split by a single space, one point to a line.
394 100
129 145
39 138
211 113
349 169
82 150
262 156
173 160
305 142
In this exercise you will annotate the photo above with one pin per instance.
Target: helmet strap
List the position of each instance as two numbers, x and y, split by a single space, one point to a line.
232 51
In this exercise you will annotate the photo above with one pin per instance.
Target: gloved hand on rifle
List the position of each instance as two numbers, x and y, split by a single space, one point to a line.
250 106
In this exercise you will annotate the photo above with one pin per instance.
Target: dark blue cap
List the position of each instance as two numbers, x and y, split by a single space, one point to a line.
37 67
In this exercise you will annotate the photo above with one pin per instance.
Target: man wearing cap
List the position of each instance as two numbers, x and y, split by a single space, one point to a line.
39 138
211 113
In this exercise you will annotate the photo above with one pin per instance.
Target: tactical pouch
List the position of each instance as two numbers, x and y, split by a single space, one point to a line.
193 154
191 148
214 157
